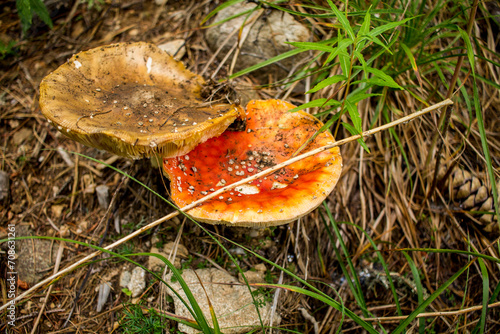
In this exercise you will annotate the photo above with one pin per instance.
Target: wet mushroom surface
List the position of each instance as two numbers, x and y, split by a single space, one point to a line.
132 99
272 136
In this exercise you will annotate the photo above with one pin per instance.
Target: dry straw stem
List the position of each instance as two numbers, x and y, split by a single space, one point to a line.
434 314
222 190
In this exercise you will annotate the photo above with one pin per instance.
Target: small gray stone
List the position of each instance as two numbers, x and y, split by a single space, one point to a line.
34 257
252 277
125 278
4 185
137 282
174 48
265 40
104 290
102 192
232 303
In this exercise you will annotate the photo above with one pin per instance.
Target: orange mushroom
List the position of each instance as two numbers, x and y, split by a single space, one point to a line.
271 137
132 99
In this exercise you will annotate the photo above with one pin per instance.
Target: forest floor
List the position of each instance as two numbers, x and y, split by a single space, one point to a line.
52 193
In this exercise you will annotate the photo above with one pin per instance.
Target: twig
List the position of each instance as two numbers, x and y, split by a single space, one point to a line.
229 187
309 317
432 314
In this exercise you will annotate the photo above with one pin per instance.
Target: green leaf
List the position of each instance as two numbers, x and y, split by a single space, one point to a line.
377 41
360 57
24 12
486 284
405 323
354 132
365 26
313 46
342 19
412 62
327 82
353 112
383 28
267 62
386 79
316 103
41 10
418 284
345 63
351 278
355 97
470 51
342 46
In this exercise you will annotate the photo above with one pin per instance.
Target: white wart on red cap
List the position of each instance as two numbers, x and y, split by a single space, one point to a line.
132 99
272 136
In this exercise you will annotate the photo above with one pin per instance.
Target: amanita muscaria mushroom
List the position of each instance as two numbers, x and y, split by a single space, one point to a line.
132 99
271 137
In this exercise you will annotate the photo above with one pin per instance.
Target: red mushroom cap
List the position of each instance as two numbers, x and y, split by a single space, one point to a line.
271 137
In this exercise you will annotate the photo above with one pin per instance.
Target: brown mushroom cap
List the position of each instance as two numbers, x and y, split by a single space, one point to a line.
272 136
132 99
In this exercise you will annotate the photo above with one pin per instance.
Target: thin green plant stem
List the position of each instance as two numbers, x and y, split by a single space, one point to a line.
418 284
486 283
355 289
406 322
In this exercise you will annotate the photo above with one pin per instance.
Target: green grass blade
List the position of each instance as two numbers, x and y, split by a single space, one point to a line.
356 289
413 62
354 132
352 109
486 284
24 13
383 28
386 79
336 305
484 140
495 294
316 103
41 10
420 293
327 82
194 309
451 251
219 8
405 323
365 26
267 62
313 289
384 265
312 46
342 19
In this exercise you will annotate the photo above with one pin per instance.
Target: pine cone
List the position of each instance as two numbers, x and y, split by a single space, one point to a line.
471 194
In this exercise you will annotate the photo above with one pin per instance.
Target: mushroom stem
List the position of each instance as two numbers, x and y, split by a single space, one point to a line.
156 161
218 192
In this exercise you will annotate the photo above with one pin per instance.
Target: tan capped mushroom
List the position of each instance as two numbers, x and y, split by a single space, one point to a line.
271 137
132 99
